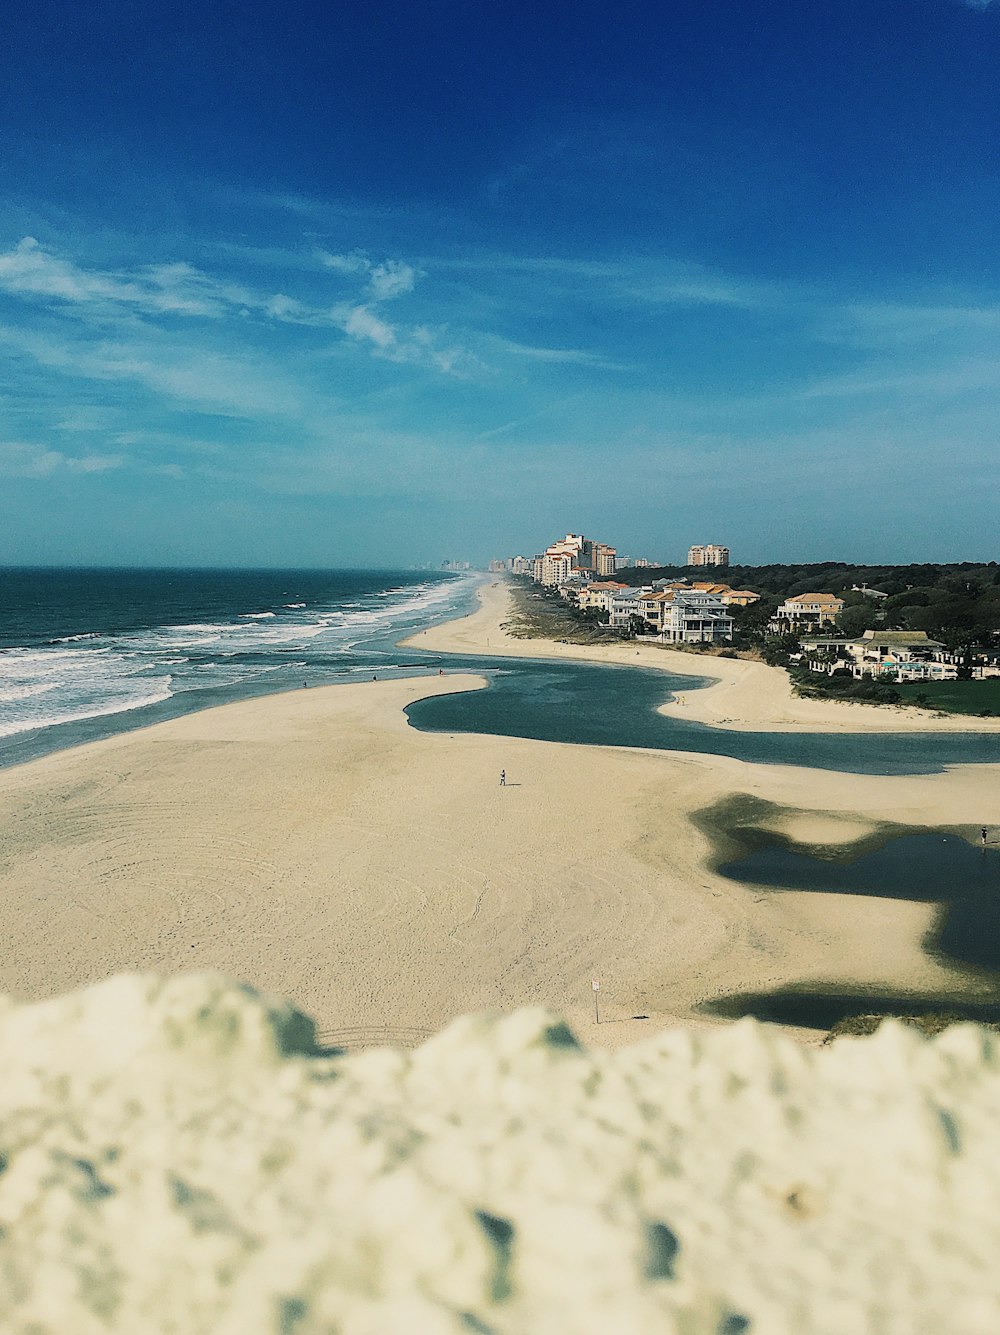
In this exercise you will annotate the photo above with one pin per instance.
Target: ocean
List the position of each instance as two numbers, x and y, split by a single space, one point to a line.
85 653
88 653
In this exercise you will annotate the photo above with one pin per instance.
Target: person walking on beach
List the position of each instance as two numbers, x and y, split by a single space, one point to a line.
503 778
984 836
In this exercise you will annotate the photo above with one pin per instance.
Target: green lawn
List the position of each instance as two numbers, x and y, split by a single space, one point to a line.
954 697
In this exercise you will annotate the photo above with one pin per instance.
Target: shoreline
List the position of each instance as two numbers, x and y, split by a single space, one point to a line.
744 696
316 845
71 734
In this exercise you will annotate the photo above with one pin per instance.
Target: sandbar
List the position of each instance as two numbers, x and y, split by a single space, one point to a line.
315 845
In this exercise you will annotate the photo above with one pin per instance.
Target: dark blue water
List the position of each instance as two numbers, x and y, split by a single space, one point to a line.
608 706
86 653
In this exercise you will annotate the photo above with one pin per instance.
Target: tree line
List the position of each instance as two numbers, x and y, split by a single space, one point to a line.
958 604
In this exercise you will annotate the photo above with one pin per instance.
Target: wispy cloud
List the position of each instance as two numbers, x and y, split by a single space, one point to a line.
227 385
28 460
391 279
627 282
32 273
558 356
386 279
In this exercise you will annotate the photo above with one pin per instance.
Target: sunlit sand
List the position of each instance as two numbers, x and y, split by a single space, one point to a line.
317 846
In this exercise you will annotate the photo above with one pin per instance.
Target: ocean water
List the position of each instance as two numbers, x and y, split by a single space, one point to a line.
84 653
88 653
617 706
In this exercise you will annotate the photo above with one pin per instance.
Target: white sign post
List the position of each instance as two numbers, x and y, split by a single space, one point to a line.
596 986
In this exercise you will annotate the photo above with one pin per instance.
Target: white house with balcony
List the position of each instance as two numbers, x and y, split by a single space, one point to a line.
688 617
805 612
625 606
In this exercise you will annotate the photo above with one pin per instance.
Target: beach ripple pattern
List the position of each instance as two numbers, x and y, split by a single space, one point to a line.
179 1156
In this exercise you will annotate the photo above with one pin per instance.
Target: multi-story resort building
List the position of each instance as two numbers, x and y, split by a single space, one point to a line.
711 554
573 554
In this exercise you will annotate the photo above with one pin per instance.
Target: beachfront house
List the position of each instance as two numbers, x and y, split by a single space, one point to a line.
598 595
738 597
804 612
906 655
692 618
625 606
903 655
687 616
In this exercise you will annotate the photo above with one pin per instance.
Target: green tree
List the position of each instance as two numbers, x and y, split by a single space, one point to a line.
853 621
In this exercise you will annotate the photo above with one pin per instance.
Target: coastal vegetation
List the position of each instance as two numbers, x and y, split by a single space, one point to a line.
930 1024
957 605
539 614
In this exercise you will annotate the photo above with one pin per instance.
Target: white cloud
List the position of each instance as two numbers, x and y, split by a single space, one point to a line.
28 270
157 289
558 356
391 279
281 307
19 459
234 386
31 271
357 262
95 463
24 459
388 279
361 323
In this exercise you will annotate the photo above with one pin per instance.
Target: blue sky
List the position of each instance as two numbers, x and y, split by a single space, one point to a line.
355 284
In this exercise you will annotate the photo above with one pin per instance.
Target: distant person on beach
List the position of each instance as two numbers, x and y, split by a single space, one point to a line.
374 678
503 778
984 836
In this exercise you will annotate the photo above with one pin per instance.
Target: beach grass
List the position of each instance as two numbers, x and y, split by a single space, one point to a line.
536 616
934 1022
954 697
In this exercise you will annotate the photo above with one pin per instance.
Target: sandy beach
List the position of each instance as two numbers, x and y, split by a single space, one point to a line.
315 845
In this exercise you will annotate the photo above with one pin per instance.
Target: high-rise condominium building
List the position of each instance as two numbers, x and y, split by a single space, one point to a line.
709 555
575 554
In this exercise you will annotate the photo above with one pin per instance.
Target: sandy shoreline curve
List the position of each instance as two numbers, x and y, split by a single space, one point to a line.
315 845
743 695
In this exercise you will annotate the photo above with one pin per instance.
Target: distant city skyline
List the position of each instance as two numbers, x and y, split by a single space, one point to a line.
389 285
